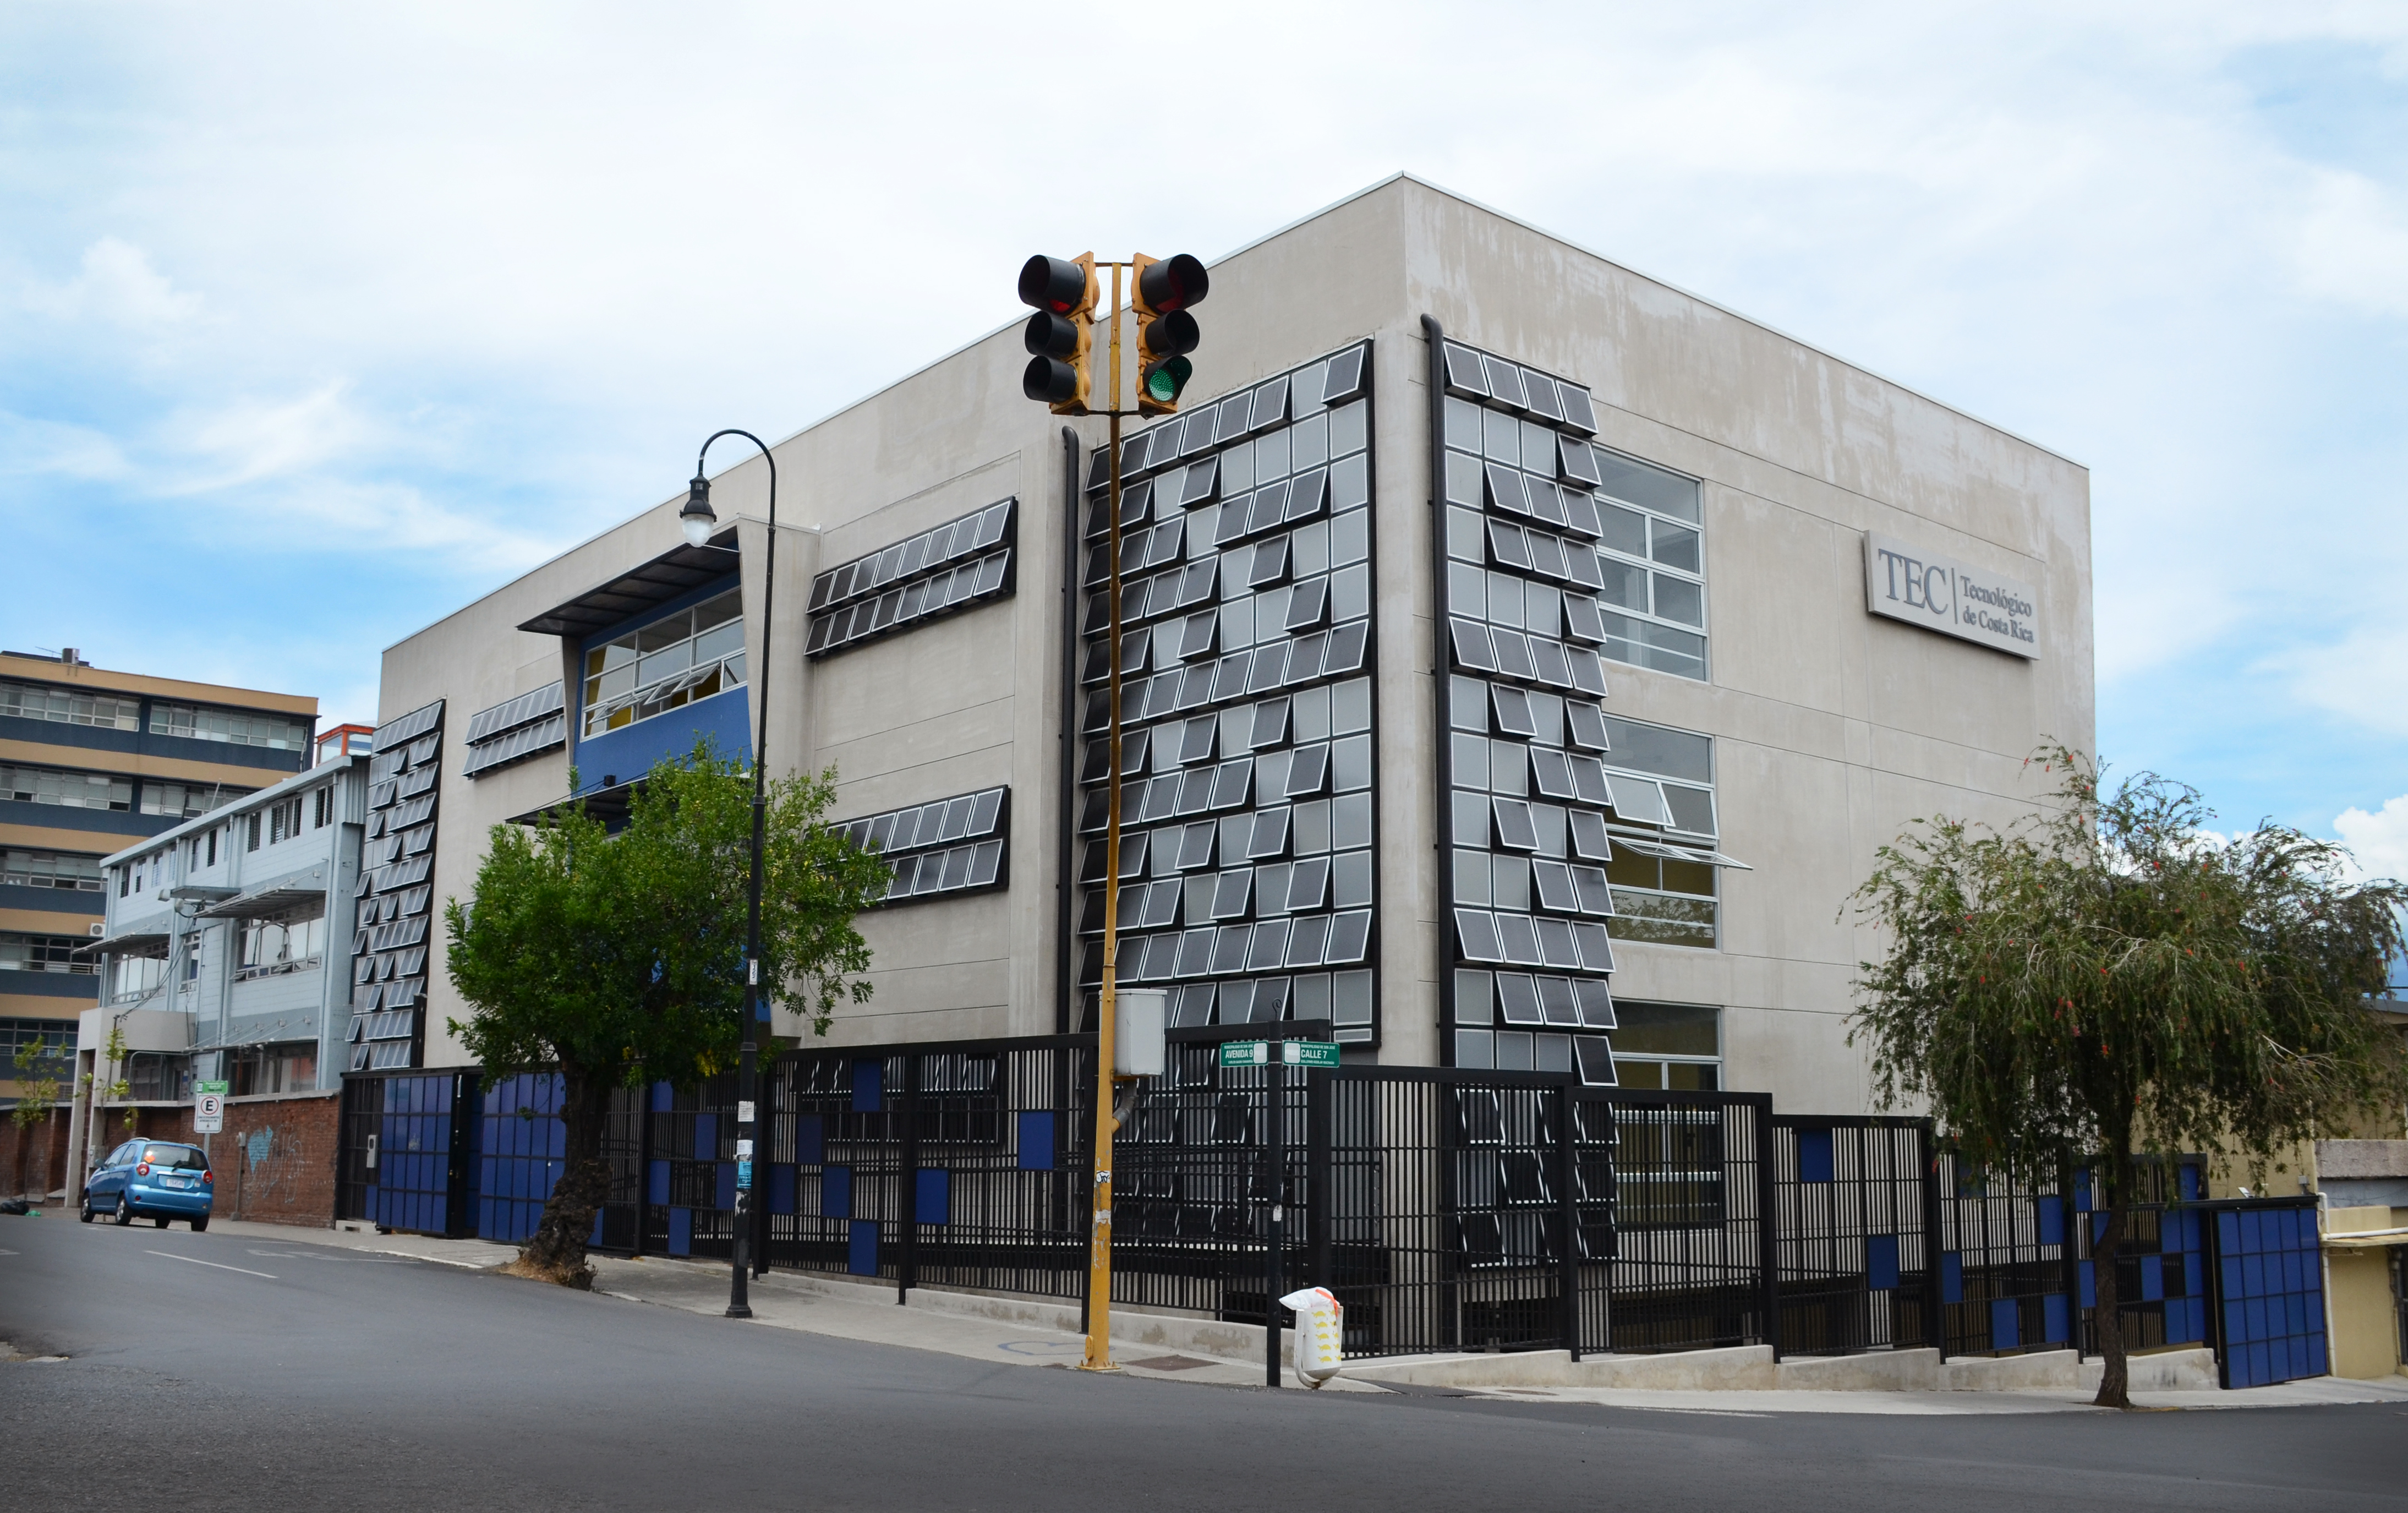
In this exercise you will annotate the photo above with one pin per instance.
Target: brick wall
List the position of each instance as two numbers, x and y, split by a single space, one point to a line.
34 1161
274 1159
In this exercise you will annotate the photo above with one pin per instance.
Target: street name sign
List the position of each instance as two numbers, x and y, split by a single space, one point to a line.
1292 1052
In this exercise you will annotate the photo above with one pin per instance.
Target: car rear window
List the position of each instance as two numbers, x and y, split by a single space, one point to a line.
181 1157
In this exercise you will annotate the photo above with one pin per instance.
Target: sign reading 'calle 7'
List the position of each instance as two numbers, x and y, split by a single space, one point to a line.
1956 599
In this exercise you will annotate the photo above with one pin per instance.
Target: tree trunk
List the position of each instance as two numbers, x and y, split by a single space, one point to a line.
556 1250
2107 1318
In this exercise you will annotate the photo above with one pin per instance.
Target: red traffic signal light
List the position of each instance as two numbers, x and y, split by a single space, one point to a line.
1060 335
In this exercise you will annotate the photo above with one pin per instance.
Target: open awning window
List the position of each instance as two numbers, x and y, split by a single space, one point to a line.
675 572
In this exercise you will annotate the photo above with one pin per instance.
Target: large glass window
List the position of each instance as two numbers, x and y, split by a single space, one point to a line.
288 1068
673 661
68 706
275 944
1651 558
41 953
56 1038
73 790
1664 833
1671 1046
199 722
50 869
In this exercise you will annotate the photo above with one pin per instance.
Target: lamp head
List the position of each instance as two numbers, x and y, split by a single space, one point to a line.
697 517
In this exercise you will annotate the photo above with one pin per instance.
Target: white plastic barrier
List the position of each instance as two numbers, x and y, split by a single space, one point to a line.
1320 1333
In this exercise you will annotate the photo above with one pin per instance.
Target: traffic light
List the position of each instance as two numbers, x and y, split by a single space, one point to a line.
1166 289
1063 293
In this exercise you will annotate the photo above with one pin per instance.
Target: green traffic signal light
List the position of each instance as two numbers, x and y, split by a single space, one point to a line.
1164 380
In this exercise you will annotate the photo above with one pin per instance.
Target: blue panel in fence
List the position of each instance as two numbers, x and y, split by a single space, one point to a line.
724 1195
1036 1141
932 1198
2048 1214
664 1098
706 1137
1952 1276
2057 1319
594 1238
2186 1183
2082 1193
1814 1156
656 1189
860 1256
1881 1262
681 1231
811 1140
2089 1285
869 1086
2006 1332
835 1192
782 1188
2152 1278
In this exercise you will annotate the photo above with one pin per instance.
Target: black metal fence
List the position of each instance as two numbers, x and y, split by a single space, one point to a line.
1449 1209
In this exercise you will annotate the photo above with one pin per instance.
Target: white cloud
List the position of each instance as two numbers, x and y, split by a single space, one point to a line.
29 446
2361 677
116 285
2378 840
2353 244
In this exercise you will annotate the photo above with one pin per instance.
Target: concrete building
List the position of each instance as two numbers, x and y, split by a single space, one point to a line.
91 760
228 957
1526 658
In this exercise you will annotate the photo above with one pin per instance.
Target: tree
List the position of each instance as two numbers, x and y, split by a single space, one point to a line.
2109 981
38 1093
617 959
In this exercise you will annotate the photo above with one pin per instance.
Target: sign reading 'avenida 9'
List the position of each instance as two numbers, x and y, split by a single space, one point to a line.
1956 599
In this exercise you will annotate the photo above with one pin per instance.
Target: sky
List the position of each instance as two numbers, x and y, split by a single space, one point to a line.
319 322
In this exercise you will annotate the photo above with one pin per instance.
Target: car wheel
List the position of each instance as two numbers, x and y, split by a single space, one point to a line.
124 1214
200 1224
85 1213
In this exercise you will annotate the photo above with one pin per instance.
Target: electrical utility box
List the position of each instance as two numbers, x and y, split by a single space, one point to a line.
1138 1016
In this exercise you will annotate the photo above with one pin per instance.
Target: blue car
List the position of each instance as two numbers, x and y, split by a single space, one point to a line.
154 1178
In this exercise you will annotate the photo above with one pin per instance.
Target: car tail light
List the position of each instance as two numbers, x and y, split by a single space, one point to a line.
208 1180
143 1169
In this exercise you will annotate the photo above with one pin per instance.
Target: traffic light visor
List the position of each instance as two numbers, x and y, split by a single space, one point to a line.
1173 283
1053 283
1048 334
1050 381
1174 333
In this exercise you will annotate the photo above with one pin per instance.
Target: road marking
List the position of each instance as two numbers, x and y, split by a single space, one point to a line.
247 1272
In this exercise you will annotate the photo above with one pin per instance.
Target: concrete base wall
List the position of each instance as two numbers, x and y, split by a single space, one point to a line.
1886 1371
2169 1371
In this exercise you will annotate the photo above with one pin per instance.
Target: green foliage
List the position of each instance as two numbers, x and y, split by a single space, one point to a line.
38 1087
621 956
2110 977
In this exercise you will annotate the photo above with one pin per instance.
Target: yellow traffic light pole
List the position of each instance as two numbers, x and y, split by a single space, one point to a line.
1098 1355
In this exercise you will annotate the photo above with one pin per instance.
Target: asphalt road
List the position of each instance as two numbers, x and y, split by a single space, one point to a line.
291 1376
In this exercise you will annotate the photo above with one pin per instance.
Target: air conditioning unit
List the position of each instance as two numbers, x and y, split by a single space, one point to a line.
95 930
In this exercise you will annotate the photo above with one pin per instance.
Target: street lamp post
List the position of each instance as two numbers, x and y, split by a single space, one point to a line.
698 521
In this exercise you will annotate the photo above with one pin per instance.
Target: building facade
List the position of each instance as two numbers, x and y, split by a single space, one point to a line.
1525 658
91 761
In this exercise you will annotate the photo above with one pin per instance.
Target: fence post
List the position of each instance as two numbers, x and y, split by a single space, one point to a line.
1935 1326
906 1270
1566 1222
1768 1222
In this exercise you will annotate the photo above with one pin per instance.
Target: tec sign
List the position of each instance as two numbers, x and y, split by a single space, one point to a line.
1956 599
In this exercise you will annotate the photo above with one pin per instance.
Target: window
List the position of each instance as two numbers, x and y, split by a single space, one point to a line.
1663 831
213 847
280 945
57 1038
68 706
284 820
673 661
72 790
133 976
251 832
159 1076
199 722
275 1069
42 953
177 1158
958 566
50 868
188 800
322 807
1671 1046
1651 558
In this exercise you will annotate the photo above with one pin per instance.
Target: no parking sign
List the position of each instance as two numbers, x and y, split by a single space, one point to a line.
208 1107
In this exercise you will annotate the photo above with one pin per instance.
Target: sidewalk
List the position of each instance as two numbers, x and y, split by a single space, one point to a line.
1036 1333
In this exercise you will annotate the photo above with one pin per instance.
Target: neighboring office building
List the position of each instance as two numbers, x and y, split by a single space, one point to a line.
228 957
91 759
1670 646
